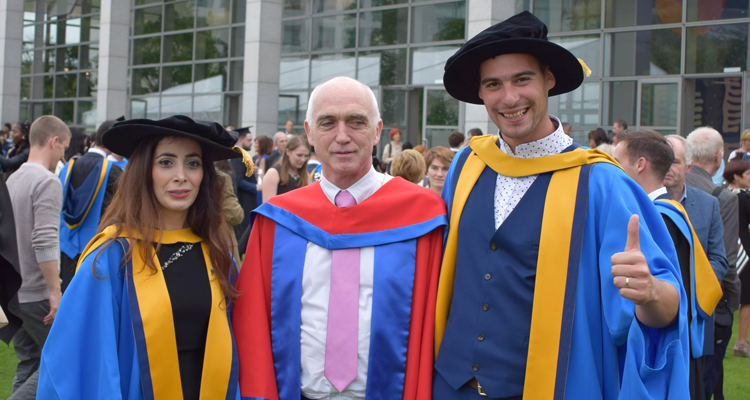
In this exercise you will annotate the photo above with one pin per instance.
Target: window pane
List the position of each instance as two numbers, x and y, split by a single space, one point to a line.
292 106
178 16
39 109
67 58
334 33
176 105
619 102
325 67
29 11
571 15
86 113
386 67
654 52
709 10
293 8
579 107
238 11
294 73
87 83
213 13
49 60
212 44
178 47
438 22
211 77
27 62
236 74
721 106
715 48
72 31
386 27
584 47
427 64
49 86
145 107
90 29
659 104
89 57
642 12
238 41
294 36
147 20
147 50
378 3
28 37
145 80
50 34
320 6
25 88
394 106
90 6
442 109
177 79
65 110
437 136
207 108
144 2
65 85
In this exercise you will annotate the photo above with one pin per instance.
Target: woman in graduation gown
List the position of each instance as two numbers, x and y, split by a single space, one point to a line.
147 314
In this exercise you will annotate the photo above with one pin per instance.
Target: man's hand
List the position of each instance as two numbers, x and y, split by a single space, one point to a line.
54 303
630 270
657 302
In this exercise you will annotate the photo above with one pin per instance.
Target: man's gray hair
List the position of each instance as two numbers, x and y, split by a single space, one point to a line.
686 145
277 135
311 101
706 142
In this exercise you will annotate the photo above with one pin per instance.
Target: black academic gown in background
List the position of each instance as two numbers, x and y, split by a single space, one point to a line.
10 275
248 200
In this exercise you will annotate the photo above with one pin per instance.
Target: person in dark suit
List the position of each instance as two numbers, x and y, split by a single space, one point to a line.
10 276
245 186
686 183
646 156
89 183
279 140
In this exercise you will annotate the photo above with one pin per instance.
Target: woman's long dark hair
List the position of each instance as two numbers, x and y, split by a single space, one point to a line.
285 168
76 146
25 129
134 210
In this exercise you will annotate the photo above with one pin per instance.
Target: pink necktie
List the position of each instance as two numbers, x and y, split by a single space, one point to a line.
343 312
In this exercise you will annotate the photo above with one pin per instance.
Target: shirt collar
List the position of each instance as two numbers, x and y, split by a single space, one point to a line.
97 151
551 144
656 193
361 190
684 193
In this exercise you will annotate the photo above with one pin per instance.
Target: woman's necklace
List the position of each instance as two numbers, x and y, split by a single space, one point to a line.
177 254
295 177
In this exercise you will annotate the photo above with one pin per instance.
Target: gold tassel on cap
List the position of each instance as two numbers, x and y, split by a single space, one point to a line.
586 70
247 160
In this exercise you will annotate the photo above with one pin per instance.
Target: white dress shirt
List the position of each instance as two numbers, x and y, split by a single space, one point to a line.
316 285
510 190
656 193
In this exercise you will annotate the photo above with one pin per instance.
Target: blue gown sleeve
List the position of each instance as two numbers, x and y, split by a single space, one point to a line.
90 351
654 362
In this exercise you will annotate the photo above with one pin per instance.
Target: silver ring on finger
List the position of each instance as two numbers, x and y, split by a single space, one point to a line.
627 281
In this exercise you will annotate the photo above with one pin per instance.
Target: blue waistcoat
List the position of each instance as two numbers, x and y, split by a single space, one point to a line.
487 335
75 204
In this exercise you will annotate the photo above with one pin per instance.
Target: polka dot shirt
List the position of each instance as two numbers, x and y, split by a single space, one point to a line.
509 190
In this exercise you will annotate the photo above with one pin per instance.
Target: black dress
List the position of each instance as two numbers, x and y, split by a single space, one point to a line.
743 198
290 185
190 294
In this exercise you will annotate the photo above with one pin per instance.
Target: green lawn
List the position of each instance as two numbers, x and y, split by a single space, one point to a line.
736 372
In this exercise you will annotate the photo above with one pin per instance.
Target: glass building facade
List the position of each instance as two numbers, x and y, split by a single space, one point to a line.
668 65
186 57
59 61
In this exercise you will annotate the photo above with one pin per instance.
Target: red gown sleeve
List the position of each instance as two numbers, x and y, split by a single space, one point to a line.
251 319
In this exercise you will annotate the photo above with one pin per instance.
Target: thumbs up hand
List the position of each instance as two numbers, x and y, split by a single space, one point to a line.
630 271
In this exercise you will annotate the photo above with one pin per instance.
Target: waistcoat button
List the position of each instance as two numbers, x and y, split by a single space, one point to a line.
475 367
480 337
493 247
487 277
485 307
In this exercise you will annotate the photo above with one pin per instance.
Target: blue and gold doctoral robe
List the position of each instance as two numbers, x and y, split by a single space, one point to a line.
581 339
113 336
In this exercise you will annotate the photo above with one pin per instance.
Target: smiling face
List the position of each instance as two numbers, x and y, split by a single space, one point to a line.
16 134
515 93
177 173
343 130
